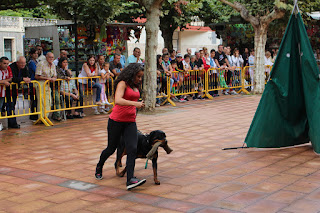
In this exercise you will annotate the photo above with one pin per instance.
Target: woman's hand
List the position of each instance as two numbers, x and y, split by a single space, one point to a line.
139 105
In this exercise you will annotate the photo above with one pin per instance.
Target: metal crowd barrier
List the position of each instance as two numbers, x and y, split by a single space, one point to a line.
181 83
222 79
21 100
82 87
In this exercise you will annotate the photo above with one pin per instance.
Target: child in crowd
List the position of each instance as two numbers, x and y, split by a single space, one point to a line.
105 74
207 58
175 76
186 62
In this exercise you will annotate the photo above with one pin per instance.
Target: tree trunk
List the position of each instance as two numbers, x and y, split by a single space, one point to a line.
150 74
260 40
167 35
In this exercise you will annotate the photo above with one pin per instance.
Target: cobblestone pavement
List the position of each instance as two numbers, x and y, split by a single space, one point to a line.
51 169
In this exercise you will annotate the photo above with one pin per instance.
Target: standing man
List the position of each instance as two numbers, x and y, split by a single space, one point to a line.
165 51
115 65
20 73
5 80
63 54
41 57
46 70
189 51
135 58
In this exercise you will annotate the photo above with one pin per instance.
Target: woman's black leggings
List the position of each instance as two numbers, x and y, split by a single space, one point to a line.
128 131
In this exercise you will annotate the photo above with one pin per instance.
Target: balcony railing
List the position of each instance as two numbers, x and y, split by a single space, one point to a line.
19 23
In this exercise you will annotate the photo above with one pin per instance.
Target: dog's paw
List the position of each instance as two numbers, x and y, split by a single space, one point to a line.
157 182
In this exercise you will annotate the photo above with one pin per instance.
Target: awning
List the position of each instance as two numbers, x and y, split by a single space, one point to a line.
315 15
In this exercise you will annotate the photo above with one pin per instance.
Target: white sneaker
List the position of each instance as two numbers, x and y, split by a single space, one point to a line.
226 93
106 103
1 127
157 105
96 113
103 112
234 92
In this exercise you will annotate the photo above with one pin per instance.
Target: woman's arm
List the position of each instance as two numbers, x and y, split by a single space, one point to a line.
119 100
87 70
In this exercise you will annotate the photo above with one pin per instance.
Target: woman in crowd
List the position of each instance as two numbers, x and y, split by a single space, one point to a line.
89 69
67 87
32 65
161 81
100 62
122 121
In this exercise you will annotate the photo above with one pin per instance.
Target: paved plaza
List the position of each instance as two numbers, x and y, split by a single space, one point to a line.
51 169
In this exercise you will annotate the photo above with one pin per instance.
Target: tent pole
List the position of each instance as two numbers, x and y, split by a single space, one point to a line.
240 147
295 7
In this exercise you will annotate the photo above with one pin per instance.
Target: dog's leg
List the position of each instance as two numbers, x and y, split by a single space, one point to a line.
117 165
155 168
123 172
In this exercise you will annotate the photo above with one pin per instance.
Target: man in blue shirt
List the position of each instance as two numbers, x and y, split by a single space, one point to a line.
135 58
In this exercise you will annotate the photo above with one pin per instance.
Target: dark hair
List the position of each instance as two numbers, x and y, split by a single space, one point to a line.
220 45
171 51
136 48
32 51
201 51
186 56
100 56
164 55
173 62
118 48
128 74
62 59
91 56
116 54
213 50
158 65
4 58
105 63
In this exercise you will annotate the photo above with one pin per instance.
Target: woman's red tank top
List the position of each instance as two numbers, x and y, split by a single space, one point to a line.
126 113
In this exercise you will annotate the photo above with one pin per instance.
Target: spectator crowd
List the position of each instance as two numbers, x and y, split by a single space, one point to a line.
172 67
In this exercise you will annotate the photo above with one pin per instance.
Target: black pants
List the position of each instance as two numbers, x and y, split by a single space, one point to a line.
128 131
68 101
10 107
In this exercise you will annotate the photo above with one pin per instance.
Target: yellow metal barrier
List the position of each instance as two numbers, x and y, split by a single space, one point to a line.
83 86
162 88
248 77
268 69
24 105
187 83
222 79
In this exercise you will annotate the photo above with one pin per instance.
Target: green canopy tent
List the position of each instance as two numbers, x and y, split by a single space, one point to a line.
289 110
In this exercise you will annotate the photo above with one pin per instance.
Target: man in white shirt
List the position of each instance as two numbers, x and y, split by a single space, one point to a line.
40 53
63 54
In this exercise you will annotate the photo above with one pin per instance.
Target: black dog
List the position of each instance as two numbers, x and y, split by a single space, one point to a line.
147 147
